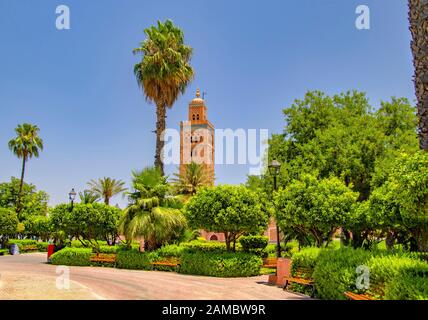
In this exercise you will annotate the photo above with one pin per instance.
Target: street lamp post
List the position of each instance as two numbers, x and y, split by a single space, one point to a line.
72 197
274 168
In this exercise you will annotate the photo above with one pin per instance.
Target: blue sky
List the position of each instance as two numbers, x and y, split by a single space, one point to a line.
253 58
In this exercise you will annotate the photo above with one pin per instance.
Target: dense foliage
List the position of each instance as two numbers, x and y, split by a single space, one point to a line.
33 202
315 207
86 222
220 264
8 224
232 210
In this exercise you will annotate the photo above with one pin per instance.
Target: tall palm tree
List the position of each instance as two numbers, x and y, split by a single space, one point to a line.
418 18
25 145
193 178
151 213
107 188
163 73
88 197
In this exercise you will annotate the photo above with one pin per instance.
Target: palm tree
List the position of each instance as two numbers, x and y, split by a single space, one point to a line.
25 145
163 73
88 197
107 188
418 17
151 214
193 178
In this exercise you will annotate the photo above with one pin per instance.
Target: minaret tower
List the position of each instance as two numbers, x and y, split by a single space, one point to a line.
197 138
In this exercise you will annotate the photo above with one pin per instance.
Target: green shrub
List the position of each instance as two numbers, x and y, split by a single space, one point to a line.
220 264
203 246
335 271
306 258
4 252
254 244
23 243
42 246
411 283
386 269
106 249
72 257
133 259
171 250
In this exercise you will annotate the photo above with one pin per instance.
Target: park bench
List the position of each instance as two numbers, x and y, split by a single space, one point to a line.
103 257
358 296
301 277
30 248
269 263
168 262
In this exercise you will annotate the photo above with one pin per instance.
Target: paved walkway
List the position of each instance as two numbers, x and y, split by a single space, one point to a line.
27 276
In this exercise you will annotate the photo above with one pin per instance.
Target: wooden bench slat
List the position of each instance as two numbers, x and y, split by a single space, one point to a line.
299 280
357 296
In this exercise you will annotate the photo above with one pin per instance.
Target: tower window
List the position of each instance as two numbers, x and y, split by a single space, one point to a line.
197 117
193 117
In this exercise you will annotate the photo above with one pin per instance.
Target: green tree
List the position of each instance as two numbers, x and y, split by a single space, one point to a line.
106 188
8 224
193 178
232 210
163 73
342 136
38 226
25 145
404 197
88 196
33 202
316 207
86 222
151 213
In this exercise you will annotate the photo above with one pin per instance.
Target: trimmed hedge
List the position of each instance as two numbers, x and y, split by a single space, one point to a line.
22 243
411 283
306 258
386 270
133 259
171 250
392 275
254 244
221 264
72 257
335 273
203 246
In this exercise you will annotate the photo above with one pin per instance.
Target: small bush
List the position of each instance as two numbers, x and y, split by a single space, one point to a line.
171 250
387 269
203 246
306 258
106 249
42 246
254 244
411 283
133 259
335 273
220 264
72 257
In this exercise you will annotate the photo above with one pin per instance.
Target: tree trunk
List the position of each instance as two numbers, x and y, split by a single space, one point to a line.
21 186
107 200
418 18
160 128
421 237
227 239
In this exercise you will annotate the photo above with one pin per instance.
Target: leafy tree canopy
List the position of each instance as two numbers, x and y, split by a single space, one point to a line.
316 207
33 202
343 136
232 210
